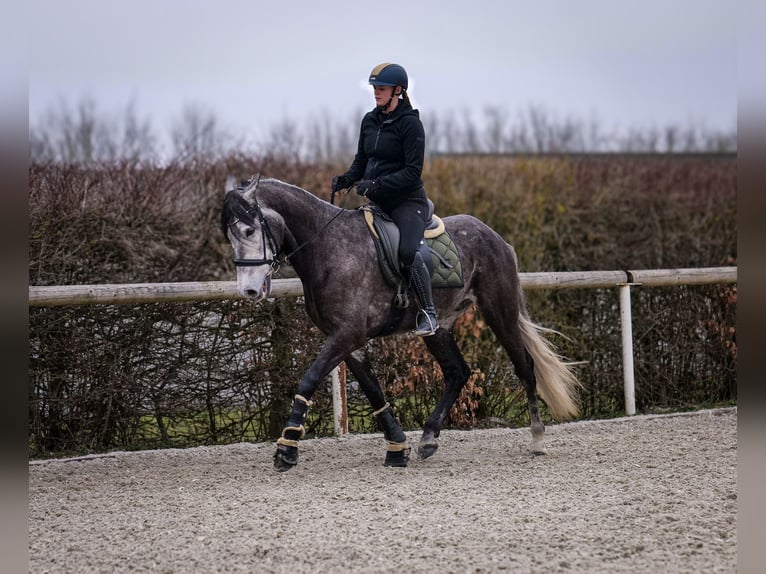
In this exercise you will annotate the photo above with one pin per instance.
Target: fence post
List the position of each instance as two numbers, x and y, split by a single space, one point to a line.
339 408
627 348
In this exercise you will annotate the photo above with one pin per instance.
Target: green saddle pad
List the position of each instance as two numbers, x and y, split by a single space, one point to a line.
447 270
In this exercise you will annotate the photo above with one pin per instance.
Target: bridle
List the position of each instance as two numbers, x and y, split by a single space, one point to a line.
267 236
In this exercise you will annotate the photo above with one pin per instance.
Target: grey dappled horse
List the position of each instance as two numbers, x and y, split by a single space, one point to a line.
268 221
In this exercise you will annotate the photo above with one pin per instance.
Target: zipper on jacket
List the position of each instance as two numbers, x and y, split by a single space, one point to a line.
374 150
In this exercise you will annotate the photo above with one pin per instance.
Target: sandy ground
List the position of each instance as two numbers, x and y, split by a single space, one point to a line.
639 494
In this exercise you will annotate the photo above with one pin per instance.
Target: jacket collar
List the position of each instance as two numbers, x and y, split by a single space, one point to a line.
402 109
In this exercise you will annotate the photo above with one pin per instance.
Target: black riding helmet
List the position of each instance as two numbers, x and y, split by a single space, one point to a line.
388 75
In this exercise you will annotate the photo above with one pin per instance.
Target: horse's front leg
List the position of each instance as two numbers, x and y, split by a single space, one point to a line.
397 448
456 373
333 351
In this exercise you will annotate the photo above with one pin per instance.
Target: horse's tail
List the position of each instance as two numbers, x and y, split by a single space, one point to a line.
556 382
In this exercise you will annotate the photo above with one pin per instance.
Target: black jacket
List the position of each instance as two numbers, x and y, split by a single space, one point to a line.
391 150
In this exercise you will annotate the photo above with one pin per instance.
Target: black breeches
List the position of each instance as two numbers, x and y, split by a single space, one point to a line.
410 219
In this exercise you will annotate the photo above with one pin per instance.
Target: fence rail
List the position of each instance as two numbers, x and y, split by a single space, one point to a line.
131 293
112 294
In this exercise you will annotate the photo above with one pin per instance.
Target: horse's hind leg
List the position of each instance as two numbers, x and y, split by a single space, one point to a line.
504 322
398 449
536 426
456 373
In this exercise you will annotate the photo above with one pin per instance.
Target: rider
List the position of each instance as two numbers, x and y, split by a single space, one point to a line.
389 163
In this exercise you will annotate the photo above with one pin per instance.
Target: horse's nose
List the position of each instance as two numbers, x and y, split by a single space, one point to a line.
251 293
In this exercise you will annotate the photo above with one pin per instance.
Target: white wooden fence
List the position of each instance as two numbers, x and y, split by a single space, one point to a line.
112 294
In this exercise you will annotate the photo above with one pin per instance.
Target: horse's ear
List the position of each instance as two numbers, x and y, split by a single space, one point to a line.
231 183
249 187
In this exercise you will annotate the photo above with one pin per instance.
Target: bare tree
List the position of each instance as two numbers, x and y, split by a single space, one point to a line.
285 140
671 137
348 138
83 134
137 136
470 134
330 140
320 143
595 139
495 127
519 139
197 134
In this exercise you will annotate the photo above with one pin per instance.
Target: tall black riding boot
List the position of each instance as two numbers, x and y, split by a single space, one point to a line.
420 279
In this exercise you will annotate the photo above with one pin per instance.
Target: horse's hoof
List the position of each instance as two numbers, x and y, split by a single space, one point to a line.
539 452
397 459
427 450
285 458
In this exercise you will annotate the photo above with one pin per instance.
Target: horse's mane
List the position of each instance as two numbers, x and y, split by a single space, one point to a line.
236 208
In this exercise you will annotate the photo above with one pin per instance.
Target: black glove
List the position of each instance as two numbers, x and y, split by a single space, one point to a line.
368 187
339 182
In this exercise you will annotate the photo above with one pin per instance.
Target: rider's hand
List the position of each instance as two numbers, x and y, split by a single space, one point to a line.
339 182
368 187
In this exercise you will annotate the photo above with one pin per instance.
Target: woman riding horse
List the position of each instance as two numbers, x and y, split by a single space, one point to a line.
387 168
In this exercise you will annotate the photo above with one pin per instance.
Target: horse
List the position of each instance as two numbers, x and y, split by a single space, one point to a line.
269 221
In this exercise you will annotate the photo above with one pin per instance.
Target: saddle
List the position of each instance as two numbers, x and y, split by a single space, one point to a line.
447 270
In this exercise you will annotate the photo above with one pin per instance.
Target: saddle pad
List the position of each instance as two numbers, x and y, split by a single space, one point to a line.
447 270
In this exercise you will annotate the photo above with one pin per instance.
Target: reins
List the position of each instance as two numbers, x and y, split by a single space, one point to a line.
302 245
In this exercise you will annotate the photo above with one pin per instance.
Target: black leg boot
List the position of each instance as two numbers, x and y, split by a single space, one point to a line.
398 449
420 279
286 456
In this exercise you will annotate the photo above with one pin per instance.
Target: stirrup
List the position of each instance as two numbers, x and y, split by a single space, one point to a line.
428 327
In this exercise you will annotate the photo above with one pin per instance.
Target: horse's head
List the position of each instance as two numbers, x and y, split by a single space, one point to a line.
256 234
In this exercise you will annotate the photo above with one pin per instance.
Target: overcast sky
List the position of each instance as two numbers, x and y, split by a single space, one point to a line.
625 64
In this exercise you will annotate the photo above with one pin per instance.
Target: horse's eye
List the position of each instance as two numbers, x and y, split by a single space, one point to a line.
249 232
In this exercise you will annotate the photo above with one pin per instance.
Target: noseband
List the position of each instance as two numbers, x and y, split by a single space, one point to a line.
266 234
